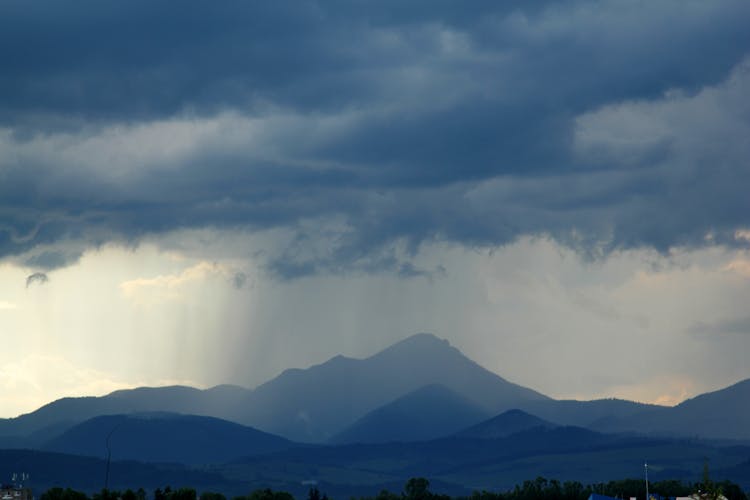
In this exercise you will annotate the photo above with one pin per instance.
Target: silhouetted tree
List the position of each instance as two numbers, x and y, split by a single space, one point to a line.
183 494
732 491
266 494
672 488
387 495
314 494
486 495
63 494
573 490
106 494
417 488
210 495
129 495
162 495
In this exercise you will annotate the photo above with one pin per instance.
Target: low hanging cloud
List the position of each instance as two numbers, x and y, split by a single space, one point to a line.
36 278
385 126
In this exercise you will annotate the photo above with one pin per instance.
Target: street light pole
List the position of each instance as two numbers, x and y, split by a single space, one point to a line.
109 455
645 466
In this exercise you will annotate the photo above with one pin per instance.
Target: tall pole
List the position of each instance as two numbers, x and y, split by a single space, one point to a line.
645 466
109 455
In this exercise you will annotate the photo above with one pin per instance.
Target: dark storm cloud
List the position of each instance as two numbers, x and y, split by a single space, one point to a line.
411 122
51 259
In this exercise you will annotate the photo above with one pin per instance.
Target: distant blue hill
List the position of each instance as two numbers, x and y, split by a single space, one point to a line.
166 437
35 428
722 414
430 412
504 425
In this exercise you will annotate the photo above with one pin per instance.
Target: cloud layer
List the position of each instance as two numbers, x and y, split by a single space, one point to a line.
363 130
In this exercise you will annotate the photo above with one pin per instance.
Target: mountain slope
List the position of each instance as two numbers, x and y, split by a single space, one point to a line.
585 413
165 437
505 424
314 404
722 414
429 412
50 420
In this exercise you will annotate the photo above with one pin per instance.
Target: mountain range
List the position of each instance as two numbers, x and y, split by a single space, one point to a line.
310 405
419 388
419 407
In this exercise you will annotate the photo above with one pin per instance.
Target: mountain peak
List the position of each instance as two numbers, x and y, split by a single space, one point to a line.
423 339
425 344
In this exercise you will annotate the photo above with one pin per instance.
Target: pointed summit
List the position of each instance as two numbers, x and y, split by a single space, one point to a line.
418 345
419 340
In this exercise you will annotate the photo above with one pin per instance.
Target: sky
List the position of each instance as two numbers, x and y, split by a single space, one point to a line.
211 192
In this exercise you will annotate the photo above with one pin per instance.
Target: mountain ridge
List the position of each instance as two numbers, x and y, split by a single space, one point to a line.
163 437
316 403
705 415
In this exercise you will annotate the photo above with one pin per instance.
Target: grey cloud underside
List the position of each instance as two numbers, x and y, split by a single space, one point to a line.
401 123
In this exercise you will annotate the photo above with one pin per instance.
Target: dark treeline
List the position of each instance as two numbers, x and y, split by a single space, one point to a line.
419 489
543 489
